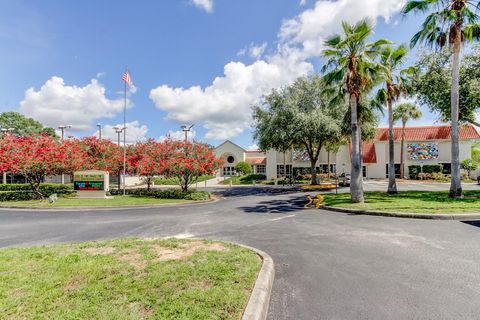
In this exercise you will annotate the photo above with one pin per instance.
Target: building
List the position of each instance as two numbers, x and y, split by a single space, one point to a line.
423 145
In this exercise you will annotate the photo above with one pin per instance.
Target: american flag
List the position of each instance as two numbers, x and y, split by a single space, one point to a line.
128 80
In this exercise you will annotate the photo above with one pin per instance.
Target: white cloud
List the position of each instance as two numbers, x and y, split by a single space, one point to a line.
303 2
57 103
253 147
206 5
224 107
179 135
254 51
135 132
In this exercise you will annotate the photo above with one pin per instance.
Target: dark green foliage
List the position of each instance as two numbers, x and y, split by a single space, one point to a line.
19 192
243 167
164 194
251 177
465 164
22 125
415 170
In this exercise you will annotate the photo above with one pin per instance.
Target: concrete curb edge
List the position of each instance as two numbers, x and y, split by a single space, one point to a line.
257 307
459 216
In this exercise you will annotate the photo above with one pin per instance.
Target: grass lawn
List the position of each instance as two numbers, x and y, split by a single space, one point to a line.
72 202
411 201
127 279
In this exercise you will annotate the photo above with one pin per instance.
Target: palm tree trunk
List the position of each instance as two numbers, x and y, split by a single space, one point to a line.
456 183
402 170
356 184
392 185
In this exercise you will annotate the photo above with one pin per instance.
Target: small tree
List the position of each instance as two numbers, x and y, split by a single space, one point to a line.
244 168
33 157
189 160
149 159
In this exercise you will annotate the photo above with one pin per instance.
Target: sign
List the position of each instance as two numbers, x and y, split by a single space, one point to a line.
88 185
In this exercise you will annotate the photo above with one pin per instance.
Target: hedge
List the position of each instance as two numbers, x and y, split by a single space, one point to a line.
164 194
415 170
23 192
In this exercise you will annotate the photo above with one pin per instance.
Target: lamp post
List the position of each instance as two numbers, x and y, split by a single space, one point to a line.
185 128
421 169
62 128
4 174
118 131
99 126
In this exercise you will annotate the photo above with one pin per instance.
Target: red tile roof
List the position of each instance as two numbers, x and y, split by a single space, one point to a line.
428 133
369 153
257 160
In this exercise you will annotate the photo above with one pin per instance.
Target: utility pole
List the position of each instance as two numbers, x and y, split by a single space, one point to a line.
185 128
62 128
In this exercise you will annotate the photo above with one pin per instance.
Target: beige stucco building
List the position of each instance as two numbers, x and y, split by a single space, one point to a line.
423 145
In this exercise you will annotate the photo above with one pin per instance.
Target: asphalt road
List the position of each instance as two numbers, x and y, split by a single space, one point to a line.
328 265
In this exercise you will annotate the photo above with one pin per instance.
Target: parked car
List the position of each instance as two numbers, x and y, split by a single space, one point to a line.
344 180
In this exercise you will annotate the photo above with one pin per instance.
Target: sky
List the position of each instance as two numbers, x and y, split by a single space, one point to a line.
202 62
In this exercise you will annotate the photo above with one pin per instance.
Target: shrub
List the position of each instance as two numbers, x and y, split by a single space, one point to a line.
22 192
17 196
415 170
243 167
464 164
164 194
251 177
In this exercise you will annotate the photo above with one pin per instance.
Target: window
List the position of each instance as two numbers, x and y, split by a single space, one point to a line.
228 171
397 170
230 159
281 170
364 171
260 169
447 168
324 168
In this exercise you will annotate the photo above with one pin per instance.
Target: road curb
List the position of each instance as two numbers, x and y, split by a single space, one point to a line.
257 307
106 208
459 216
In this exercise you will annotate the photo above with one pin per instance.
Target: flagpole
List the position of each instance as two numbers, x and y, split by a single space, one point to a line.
125 134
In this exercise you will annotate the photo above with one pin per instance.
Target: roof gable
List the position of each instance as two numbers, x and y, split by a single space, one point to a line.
227 142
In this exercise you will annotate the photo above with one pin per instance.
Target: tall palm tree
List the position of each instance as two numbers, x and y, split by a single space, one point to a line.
405 112
396 81
351 63
452 22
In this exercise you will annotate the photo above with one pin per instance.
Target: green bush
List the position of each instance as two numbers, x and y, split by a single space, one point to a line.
163 194
23 192
415 170
251 177
244 167
464 164
17 196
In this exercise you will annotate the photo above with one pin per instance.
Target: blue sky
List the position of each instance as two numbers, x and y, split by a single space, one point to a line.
195 61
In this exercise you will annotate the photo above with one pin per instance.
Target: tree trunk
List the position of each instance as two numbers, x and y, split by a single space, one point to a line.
392 185
456 183
402 146
149 182
356 184
313 171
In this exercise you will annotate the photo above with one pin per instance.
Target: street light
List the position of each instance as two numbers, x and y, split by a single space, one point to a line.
62 128
118 131
185 128
99 126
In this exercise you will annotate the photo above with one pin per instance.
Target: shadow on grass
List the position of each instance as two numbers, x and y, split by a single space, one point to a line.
277 206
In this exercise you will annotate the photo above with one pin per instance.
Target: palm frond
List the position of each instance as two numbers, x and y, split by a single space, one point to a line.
421 6
472 32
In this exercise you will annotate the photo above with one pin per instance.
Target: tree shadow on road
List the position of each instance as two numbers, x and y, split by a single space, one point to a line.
474 223
277 206
246 191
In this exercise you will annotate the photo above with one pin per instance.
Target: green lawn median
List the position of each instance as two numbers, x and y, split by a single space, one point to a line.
431 202
127 279
116 201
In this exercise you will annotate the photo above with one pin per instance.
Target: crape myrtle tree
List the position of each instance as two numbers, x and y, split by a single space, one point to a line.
405 112
149 159
298 117
352 68
33 157
396 82
186 161
452 22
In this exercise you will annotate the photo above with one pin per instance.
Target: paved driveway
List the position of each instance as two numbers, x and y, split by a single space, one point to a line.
328 265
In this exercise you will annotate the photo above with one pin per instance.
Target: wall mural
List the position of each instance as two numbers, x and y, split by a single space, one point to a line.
422 151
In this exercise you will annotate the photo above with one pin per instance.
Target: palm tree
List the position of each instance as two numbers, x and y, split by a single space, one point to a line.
351 63
405 112
454 22
396 83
